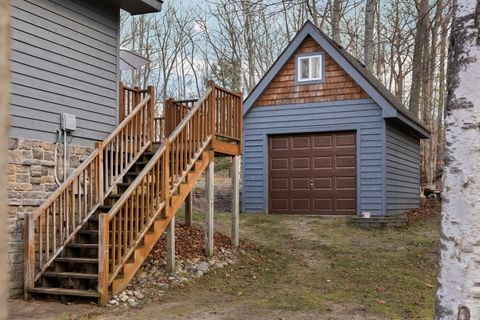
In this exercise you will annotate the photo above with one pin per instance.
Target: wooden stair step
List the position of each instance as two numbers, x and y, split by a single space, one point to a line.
76 260
77 275
83 245
65 292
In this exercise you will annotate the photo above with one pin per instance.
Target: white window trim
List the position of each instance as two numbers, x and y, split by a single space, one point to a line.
320 56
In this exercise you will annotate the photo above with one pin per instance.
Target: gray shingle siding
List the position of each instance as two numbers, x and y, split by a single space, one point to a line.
64 59
402 170
364 116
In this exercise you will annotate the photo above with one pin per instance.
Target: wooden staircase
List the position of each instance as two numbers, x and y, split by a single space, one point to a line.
90 237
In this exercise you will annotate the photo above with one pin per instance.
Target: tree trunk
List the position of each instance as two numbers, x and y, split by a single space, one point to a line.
4 127
418 57
459 279
369 26
336 14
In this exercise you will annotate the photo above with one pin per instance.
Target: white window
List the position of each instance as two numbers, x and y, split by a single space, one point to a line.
310 68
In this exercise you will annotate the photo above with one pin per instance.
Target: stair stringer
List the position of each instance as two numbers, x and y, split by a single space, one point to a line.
159 226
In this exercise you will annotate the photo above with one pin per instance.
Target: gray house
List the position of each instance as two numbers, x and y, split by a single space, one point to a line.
64 60
323 136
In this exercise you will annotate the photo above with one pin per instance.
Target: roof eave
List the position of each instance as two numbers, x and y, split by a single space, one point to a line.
423 132
136 7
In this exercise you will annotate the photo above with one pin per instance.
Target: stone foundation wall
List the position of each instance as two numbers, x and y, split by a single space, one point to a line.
31 166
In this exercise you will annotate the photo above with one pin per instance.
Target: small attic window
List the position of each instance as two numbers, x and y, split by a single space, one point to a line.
310 68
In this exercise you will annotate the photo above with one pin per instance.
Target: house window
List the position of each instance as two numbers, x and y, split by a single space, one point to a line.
310 68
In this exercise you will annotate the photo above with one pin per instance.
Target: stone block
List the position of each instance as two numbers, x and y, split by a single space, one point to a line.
49 155
25 144
12 143
37 153
11 168
15 157
48 146
22 178
23 187
48 179
36 171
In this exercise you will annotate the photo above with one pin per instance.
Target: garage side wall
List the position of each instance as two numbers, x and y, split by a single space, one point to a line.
402 170
362 115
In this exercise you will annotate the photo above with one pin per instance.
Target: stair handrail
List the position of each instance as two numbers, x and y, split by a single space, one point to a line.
61 216
163 173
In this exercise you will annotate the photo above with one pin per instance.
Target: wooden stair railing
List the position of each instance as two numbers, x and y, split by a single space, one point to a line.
56 222
152 199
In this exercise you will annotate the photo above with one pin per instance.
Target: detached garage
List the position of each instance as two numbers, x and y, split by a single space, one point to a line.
323 136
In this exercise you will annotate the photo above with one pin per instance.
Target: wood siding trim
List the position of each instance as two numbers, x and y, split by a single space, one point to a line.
362 116
402 170
64 59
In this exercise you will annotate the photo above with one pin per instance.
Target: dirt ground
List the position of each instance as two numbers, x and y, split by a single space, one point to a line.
298 267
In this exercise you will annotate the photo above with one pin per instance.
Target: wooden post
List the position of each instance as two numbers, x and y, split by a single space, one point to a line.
103 254
151 111
29 255
235 201
209 185
188 209
213 102
166 178
101 182
171 246
167 114
121 115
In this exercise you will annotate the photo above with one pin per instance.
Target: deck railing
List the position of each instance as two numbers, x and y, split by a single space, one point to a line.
148 197
129 99
174 112
56 222
159 125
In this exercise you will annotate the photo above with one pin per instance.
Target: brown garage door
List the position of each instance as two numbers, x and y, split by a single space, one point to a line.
313 173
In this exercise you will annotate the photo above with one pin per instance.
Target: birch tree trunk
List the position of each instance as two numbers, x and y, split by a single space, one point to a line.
4 126
369 26
458 294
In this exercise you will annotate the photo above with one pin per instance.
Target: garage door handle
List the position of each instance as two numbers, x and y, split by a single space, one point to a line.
311 183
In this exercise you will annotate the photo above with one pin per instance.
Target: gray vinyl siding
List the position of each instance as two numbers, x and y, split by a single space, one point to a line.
363 116
402 170
64 59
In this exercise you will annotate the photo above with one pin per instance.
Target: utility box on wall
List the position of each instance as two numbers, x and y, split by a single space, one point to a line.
68 122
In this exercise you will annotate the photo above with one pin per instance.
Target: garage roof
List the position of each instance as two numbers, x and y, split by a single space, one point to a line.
392 107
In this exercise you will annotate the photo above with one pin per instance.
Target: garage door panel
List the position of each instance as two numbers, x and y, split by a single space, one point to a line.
300 163
323 204
302 204
279 143
280 184
345 183
345 139
301 184
323 142
279 204
323 162
323 183
345 162
301 143
321 174
346 204
280 163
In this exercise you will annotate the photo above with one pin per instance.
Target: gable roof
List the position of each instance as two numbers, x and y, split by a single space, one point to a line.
391 106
